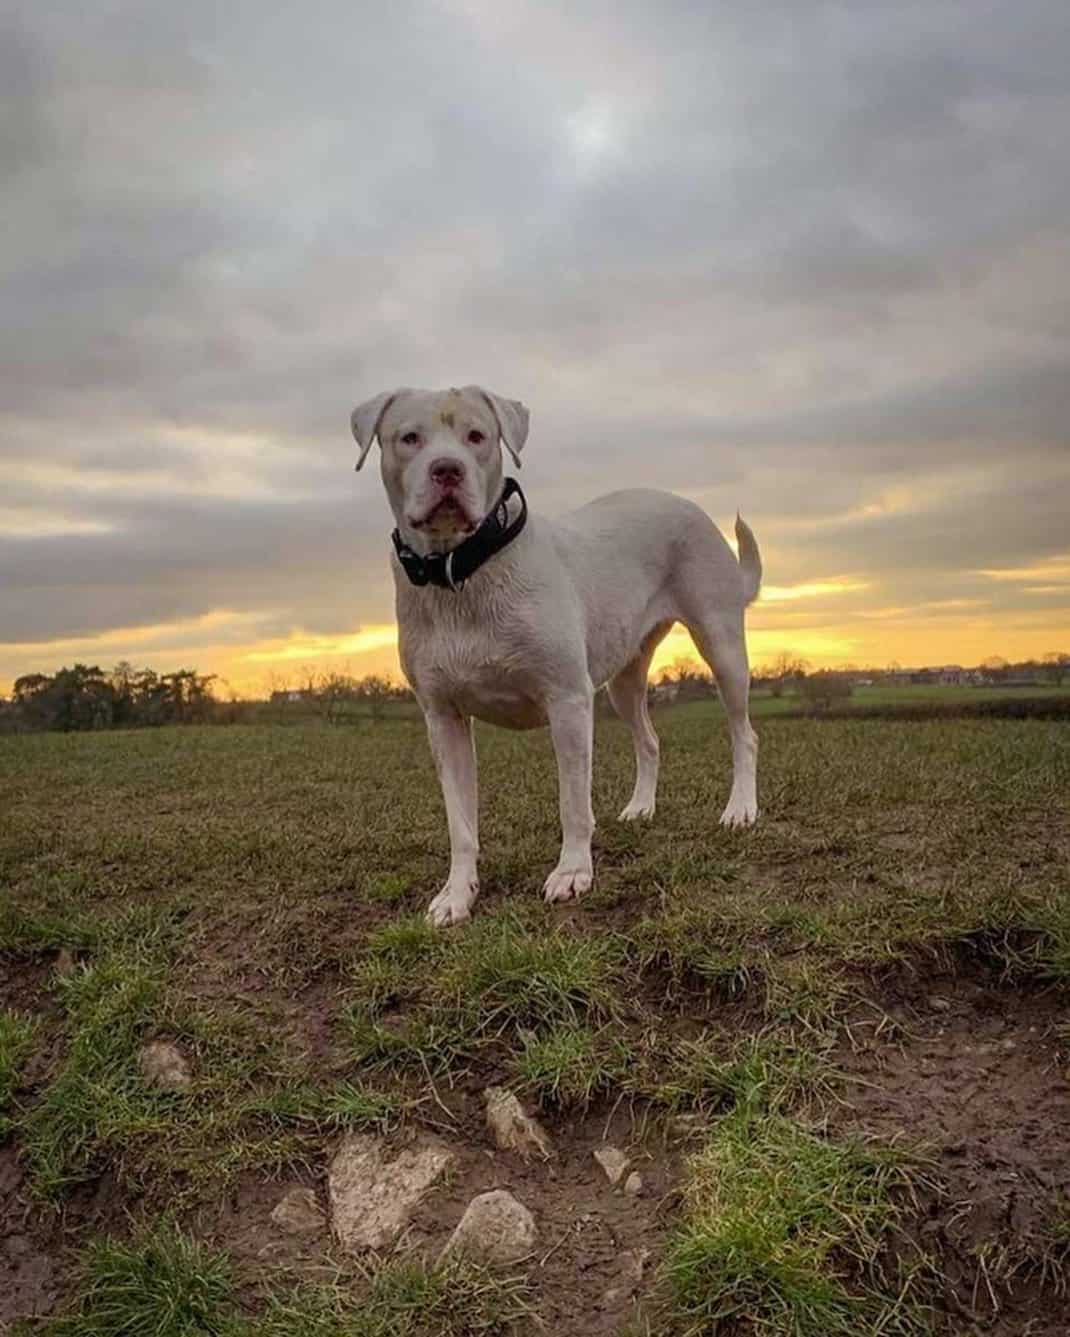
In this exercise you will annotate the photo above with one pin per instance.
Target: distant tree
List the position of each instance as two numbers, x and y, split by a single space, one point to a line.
74 698
691 680
822 690
333 693
188 696
787 668
1057 666
30 700
375 692
995 666
84 697
123 679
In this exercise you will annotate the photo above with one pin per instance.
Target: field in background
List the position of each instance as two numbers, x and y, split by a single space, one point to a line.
910 699
764 703
836 1047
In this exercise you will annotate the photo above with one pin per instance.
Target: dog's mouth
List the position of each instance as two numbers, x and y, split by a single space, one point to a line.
448 513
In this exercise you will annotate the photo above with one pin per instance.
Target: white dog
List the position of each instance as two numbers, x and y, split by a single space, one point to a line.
520 621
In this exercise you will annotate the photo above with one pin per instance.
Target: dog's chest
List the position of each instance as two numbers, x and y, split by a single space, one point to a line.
478 667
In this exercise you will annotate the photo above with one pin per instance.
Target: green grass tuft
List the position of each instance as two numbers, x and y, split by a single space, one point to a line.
784 1229
804 991
162 1285
165 1284
570 1065
403 1299
502 974
349 1105
34 932
460 993
455 1299
763 1073
97 1098
16 1040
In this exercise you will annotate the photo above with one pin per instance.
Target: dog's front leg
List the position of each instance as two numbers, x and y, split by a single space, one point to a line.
572 729
454 751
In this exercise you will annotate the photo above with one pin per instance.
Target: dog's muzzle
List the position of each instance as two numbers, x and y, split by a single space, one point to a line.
450 570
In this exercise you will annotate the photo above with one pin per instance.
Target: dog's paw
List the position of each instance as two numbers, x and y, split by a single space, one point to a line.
565 884
453 904
739 814
635 811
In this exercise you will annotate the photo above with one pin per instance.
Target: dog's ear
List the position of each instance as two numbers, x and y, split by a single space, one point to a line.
365 420
512 418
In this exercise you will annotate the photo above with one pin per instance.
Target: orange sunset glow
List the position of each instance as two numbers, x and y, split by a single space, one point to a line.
808 620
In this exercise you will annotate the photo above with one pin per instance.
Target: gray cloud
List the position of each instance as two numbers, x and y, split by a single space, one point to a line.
782 256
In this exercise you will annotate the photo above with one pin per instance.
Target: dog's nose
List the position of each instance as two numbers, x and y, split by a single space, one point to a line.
447 472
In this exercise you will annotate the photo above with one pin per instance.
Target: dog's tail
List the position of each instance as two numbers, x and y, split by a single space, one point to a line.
750 559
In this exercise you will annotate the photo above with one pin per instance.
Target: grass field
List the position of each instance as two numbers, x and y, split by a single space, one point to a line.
837 1047
912 697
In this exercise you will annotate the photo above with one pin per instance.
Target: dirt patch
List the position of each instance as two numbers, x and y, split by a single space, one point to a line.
598 1246
981 1074
24 982
301 1020
31 1282
240 1224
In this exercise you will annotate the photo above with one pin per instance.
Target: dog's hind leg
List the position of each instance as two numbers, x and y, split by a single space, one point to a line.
720 641
627 692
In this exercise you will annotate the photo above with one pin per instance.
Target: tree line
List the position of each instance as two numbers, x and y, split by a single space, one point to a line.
89 697
791 675
85 696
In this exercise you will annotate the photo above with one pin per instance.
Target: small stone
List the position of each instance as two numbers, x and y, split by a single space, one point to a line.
633 1262
938 1004
1008 1045
633 1185
298 1212
372 1197
513 1129
65 965
495 1228
164 1066
615 1297
613 1161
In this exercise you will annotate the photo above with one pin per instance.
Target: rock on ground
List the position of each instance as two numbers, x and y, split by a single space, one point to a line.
298 1212
65 965
164 1066
513 1129
495 1228
633 1185
372 1197
634 1262
613 1161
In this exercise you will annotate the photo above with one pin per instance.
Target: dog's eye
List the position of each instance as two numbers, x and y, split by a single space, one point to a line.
411 439
476 437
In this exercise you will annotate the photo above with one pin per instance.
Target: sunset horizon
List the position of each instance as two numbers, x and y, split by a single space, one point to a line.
943 633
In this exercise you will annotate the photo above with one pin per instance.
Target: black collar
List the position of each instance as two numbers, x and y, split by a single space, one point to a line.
451 569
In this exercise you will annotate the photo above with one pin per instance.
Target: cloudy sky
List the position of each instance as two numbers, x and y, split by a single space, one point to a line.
810 260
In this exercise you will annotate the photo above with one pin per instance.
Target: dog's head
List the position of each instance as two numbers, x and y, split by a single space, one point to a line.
441 457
